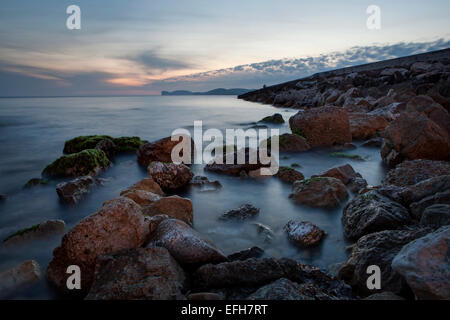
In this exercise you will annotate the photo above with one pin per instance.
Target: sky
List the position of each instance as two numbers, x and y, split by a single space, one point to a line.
129 47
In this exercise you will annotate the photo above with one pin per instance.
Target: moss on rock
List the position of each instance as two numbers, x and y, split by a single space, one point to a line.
128 144
22 231
86 162
81 143
346 155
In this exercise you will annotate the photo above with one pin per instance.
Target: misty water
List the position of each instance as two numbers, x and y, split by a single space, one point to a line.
33 132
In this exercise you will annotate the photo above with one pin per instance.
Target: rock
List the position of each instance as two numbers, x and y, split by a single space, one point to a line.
290 142
118 225
264 231
432 110
357 184
372 212
364 126
71 192
437 215
36 182
19 277
424 263
141 197
245 211
87 162
185 244
205 185
276 118
411 172
2 197
378 249
128 144
173 206
253 273
146 184
169 175
344 173
137 274
417 208
237 168
36 232
81 143
323 126
420 67
386 295
161 150
374 142
319 192
108 147
253 252
414 136
153 222
107 144
390 112
289 175
424 188
204 296
303 234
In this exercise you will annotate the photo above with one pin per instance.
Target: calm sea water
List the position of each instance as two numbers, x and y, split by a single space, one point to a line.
33 132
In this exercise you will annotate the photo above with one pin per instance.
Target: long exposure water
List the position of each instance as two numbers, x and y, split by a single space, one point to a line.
33 132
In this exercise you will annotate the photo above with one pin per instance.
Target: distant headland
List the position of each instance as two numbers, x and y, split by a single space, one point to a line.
214 92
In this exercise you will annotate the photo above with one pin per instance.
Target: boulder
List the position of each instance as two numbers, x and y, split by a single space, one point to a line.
425 265
185 244
161 150
72 191
39 231
414 136
417 208
107 144
364 126
245 211
303 234
81 143
323 126
137 274
437 215
290 142
146 184
424 188
174 207
108 147
372 212
344 173
411 172
289 175
127 144
118 225
170 175
357 184
378 249
432 110
276 118
87 162
141 197
322 192
253 252
18 278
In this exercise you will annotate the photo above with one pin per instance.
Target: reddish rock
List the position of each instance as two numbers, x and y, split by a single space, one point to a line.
303 234
431 109
160 150
319 192
170 175
324 126
118 225
292 143
146 184
141 197
289 175
365 126
42 230
409 173
344 173
19 277
245 211
71 192
174 207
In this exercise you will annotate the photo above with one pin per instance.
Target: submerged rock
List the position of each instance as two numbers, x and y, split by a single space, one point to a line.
161 150
36 182
411 172
19 277
169 175
276 118
71 192
245 211
204 184
372 212
118 225
425 265
2 197
173 206
323 126
253 252
303 234
185 244
322 192
45 229
289 175
137 274
86 162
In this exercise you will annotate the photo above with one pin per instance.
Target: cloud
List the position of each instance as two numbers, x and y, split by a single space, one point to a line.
155 64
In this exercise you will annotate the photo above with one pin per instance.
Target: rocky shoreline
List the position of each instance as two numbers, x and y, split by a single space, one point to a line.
143 245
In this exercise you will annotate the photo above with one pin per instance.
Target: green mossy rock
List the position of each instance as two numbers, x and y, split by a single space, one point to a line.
122 144
86 162
128 144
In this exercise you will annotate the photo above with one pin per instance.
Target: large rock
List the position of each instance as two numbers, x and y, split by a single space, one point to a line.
141 197
245 211
173 206
425 264
72 191
185 244
303 234
87 162
39 231
253 252
424 188
433 110
137 274
161 150
146 184
344 173
324 126
437 215
378 249
169 175
414 136
322 192
364 126
118 225
81 143
19 277
275 118
290 142
411 172
417 208
372 212
289 175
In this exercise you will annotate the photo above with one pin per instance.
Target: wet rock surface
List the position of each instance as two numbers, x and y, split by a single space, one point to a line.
19 277
303 233
169 175
320 192
244 212
72 192
289 175
411 172
205 185
161 150
39 231
173 206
